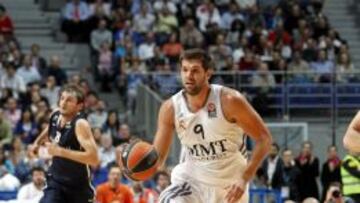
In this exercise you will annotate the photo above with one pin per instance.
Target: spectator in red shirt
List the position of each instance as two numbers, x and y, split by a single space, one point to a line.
112 191
6 25
279 33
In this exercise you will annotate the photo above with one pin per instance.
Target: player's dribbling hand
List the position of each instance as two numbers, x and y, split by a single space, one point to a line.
235 191
53 149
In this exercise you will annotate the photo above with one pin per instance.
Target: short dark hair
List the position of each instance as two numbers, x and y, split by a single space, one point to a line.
74 89
37 169
274 144
198 54
161 173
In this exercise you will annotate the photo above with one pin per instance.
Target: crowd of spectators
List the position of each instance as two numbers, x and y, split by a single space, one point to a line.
140 41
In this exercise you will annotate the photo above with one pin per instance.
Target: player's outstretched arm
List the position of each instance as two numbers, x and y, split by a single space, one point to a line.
352 136
165 131
86 139
238 110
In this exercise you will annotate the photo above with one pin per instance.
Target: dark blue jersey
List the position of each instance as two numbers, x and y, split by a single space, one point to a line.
65 171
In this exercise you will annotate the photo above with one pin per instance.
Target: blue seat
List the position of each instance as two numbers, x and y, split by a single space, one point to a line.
8 195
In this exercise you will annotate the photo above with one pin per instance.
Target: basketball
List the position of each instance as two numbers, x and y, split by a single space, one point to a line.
140 160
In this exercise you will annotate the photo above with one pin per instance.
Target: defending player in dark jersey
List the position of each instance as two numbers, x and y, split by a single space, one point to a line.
69 140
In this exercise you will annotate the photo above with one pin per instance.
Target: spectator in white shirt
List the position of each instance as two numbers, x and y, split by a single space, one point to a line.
106 151
33 191
147 49
51 91
98 117
207 14
28 72
144 21
10 80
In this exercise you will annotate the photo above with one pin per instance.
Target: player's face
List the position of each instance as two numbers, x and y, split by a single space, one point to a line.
69 104
193 76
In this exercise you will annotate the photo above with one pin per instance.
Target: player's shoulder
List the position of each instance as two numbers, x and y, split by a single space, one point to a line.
167 106
230 95
82 122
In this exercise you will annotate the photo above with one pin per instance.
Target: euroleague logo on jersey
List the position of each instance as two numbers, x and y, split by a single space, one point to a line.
211 108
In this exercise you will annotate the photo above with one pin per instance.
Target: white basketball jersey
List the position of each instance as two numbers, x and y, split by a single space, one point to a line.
214 148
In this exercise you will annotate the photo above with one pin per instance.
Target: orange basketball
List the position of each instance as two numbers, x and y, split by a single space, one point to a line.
140 160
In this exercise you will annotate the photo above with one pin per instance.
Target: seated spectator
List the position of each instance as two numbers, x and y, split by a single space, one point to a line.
143 22
310 52
142 194
279 33
75 16
235 33
133 78
219 52
230 15
98 15
106 150
345 69
97 135
12 81
100 36
173 48
26 127
105 67
37 60
124 135
5 129
321 27
146 49
51 91
8 182
112 124
298 71
190 35
207 14
98 117
112 191
247 62
11 112
33 191
6 24
55 70
165 81
28 72
162 180
166 23
91 100
323 68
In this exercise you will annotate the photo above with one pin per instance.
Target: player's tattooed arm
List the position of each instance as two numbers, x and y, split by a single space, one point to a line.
352 136
165 131
86 139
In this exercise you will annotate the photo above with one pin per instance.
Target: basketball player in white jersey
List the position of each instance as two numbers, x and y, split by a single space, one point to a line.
352 136
211 122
